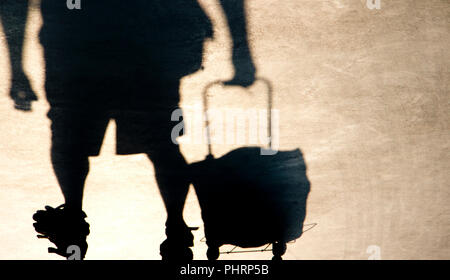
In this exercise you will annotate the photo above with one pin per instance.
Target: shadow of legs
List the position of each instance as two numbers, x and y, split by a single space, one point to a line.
171 175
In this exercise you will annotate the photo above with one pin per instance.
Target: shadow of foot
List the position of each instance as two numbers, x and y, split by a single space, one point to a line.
65 228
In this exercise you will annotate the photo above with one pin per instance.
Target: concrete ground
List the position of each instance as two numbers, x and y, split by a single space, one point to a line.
363 93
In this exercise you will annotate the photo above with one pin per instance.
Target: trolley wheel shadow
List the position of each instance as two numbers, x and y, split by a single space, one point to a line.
279 248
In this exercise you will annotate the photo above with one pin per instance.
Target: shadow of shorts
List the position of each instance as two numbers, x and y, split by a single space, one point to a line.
82 130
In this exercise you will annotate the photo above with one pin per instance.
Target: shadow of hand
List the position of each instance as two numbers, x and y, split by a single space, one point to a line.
22 93
245 71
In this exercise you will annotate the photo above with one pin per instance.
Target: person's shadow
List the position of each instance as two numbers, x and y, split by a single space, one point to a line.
121 60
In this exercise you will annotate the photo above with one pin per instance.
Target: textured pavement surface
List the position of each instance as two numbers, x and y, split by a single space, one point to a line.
363 93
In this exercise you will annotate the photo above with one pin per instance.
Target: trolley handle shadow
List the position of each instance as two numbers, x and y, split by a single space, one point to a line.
269 88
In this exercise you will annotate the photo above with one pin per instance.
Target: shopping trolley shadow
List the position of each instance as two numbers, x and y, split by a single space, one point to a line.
249 199
265 248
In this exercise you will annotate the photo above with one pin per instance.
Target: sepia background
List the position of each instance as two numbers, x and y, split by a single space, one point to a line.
364 93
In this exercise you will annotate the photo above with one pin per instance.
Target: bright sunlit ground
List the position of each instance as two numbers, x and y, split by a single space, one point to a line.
363 93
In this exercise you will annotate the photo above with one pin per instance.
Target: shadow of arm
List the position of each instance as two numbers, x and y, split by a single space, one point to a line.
13 14
242 59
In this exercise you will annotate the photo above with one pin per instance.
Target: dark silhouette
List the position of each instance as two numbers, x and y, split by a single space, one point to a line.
250 197
249 200
123 60
64 228
14 15
119 60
